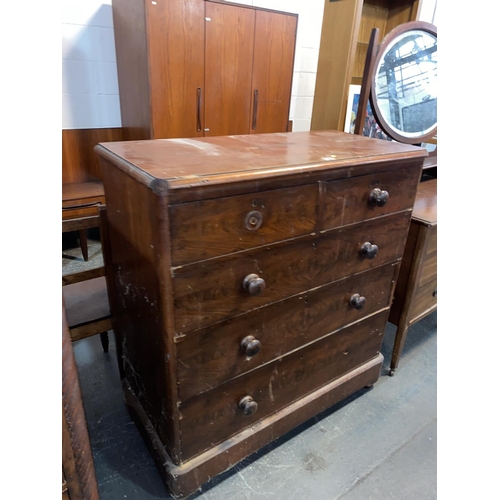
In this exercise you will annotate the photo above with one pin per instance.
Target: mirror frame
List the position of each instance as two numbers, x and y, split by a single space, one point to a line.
384 125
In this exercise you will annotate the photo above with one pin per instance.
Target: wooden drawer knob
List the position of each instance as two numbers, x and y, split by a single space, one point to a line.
378 197
248 405
250 345
357 301
253 220
253 284
368 250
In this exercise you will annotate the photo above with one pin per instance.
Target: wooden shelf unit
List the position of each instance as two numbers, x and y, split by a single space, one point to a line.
347 25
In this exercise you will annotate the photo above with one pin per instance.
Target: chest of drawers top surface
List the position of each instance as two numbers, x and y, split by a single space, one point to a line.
185 163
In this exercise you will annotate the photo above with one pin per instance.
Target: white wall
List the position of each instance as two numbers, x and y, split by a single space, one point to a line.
89 78
90 83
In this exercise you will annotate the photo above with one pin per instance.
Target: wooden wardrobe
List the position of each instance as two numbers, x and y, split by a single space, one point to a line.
195 68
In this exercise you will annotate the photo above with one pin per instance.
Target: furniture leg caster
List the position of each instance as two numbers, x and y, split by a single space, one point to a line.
368 386
391 373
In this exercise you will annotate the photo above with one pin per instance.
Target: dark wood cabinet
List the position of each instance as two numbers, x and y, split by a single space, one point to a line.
193 68
251 278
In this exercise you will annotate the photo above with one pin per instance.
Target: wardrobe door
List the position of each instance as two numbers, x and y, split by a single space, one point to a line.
176 46
229 41
272 71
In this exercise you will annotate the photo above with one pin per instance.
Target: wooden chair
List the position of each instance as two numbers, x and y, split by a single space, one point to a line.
82 191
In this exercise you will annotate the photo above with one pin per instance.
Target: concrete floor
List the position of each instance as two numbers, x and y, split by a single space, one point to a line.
378 444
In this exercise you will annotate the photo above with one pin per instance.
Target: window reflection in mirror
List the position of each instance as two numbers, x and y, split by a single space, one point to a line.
406 83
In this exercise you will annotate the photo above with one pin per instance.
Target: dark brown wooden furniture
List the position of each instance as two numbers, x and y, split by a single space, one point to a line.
82 191
193 68
78 474
252 280
416 291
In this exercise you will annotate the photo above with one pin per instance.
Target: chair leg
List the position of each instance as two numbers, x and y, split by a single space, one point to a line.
82 236
105 341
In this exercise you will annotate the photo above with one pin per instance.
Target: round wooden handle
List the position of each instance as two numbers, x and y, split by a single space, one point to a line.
253 220
253 284
357 301
248 405
368 250
378 197
250 345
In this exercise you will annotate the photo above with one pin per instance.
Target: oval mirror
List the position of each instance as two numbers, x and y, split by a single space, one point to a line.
404 85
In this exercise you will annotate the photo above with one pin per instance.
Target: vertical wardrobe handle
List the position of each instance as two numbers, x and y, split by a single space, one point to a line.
198 110
255 104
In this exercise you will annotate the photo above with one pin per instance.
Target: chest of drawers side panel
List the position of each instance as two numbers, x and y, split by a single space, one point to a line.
138 240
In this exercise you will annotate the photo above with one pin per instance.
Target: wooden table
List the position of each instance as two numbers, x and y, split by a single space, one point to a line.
416 291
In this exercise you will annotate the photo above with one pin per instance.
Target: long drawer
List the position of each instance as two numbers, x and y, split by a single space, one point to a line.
213 355
210 228
360 198
209 292
220 413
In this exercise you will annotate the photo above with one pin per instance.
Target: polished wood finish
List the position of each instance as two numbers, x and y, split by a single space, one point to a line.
226 346
189 68
274 52
131 46
345 41
416 291
82 191
175 43
79 480
212 355
210 291
352 200
216 415
229 41
80 164
235 223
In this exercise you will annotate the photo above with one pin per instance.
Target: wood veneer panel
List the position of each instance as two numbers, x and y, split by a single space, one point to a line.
229 40
274 52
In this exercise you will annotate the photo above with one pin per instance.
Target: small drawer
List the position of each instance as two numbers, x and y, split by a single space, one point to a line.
210 228
211 291
214 355
423 300
214 416
360 198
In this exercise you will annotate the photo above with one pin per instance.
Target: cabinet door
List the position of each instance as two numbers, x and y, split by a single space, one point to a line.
229 40
272 71
176 45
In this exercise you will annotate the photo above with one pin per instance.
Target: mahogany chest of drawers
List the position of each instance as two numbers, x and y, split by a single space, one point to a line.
251 282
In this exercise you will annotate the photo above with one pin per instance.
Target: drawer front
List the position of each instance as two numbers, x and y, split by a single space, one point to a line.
428 267
209 292
352 200
424 298
205 229
215 355
212 417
